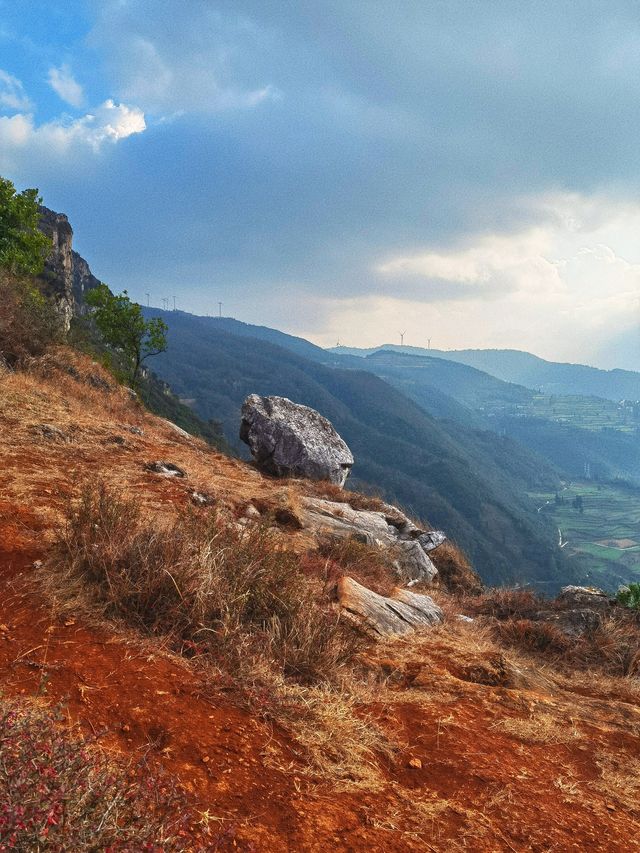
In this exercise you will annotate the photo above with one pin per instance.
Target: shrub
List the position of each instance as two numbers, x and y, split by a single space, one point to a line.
629 596
208 586
533 636
59 791
29 323
455 572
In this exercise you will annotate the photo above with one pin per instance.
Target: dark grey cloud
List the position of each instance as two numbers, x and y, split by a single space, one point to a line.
386 127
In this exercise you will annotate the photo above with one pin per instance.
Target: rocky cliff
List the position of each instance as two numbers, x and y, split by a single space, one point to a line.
67 275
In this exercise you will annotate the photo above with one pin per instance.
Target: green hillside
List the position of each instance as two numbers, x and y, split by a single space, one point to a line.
572 433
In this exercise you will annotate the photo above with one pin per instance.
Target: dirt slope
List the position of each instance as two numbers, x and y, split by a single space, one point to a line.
490 753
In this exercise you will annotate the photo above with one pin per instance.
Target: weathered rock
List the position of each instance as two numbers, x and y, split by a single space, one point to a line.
341 521
403 612
572 622
52 433
58 273
291 440
167 469
201 499
583 597
178 430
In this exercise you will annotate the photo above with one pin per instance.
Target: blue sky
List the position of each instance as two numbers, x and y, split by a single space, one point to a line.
465 172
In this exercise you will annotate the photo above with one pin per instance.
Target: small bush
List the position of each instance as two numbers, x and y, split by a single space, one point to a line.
205 584
629 596
58 791
533 636
506 603
455 573
29 323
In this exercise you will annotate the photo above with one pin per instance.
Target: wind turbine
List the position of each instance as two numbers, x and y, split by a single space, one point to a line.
402 334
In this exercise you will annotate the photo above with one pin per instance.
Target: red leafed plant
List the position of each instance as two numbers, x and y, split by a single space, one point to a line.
59 791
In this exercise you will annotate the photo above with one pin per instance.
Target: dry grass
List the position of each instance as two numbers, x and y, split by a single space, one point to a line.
534 637
455 572
504 603
540 727
331 492
365 563
208 586
337 739
620 779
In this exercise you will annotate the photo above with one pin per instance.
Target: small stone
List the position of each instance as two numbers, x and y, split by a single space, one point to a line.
415 763
166 469
251 511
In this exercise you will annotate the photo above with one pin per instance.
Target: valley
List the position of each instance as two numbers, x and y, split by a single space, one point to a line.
604 538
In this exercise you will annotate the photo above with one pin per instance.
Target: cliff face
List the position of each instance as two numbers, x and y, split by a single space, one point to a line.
82 281
67 275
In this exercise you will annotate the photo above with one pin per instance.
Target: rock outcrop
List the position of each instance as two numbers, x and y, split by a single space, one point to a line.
58 268
389 530
66 276
82 281
291 440
402 612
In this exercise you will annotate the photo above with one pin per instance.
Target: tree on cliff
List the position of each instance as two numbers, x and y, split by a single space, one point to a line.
23 247
123 327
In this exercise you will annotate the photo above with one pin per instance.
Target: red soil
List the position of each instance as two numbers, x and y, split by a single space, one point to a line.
480 766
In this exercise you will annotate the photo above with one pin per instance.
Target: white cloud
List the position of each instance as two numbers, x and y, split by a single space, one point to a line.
22 141
65 86
561 289
12 94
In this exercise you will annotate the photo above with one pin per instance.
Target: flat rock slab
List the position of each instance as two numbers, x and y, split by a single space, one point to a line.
401 613
406 549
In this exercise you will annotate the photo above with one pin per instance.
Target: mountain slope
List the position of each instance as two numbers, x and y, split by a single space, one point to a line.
555 427
529 370
446 476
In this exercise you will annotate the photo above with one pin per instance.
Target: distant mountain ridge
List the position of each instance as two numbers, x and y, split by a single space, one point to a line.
531 371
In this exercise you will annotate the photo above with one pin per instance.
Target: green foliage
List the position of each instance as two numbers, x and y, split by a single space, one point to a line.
23 248
123 327
629 596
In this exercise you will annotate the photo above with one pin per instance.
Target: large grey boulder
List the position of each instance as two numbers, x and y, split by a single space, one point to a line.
290 440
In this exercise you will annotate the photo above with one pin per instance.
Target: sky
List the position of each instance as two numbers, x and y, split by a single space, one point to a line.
462 172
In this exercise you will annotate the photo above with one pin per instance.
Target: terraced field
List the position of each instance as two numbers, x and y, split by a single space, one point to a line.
591 413
603 539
